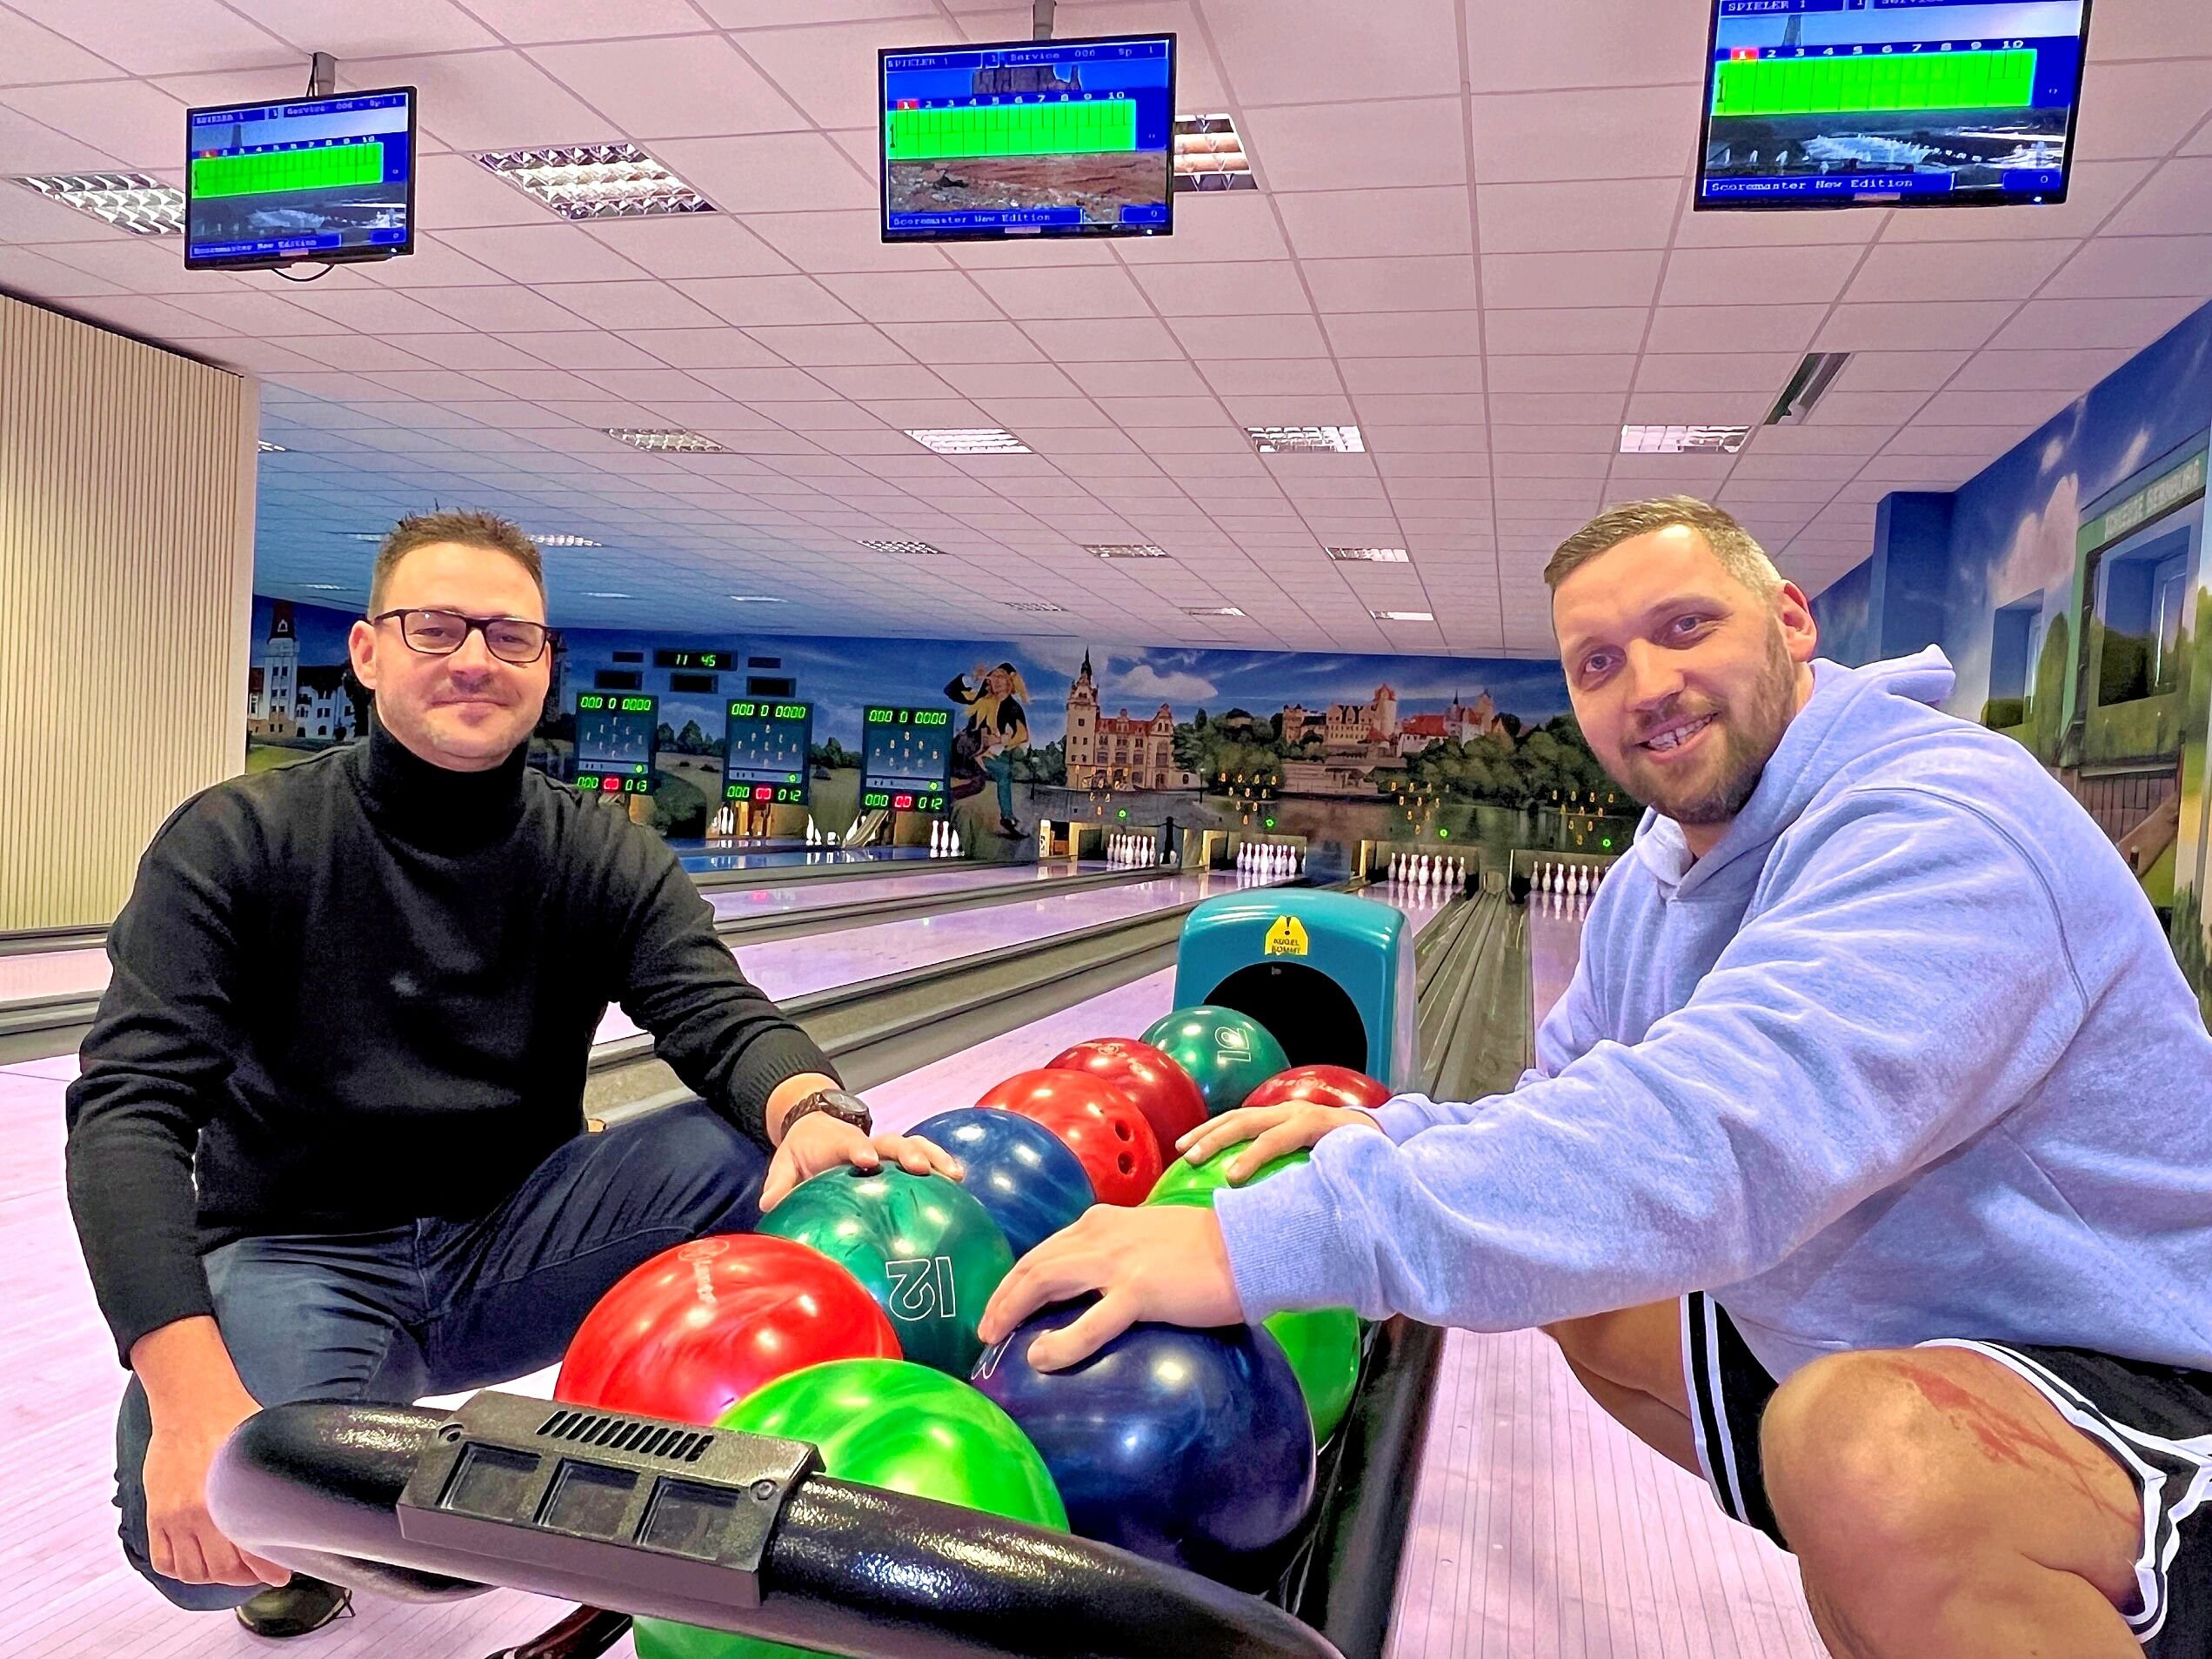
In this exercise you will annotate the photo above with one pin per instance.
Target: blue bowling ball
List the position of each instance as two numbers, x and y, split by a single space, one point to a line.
1017 1169
1191 1448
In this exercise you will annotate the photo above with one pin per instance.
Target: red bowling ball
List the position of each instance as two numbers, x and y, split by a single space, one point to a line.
1102 1125
696 1328
1162 1090
1323 1086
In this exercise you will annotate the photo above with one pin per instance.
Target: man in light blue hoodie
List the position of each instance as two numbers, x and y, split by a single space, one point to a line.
1866 1165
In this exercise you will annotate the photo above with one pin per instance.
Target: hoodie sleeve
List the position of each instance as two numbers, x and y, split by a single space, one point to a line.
1908 986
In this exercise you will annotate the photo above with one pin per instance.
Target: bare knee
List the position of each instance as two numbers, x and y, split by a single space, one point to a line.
1854 1459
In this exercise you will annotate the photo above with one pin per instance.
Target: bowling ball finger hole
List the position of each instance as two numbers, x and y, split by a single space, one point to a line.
1126 1164
1121 1132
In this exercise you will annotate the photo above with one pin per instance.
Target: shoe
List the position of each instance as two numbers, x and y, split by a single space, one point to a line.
1011 827
296 1609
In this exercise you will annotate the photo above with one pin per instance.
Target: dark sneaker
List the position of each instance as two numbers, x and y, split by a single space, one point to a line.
294 1610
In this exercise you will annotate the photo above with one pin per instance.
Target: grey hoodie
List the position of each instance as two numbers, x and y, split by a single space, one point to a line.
1905 1056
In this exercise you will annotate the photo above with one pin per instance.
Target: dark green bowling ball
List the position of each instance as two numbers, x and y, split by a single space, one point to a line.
890 1424
925 1248
1323 1344
1228 1055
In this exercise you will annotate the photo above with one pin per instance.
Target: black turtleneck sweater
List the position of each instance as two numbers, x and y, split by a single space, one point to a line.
362 990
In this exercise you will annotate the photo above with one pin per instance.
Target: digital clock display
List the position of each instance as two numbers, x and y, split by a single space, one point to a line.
764 752
706 661
616 737
906 759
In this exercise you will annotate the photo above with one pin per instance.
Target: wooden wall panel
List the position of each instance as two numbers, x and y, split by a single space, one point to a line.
126 565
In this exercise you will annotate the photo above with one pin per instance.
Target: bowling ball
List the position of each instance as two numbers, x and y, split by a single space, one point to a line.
1191 1448
696 1328
883 1423
1101 1125
921 1245
1162 1090
1227 1054
1185 1182
1017 1169
1322 1085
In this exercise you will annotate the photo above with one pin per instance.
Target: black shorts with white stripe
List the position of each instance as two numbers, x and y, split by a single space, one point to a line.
2154 1420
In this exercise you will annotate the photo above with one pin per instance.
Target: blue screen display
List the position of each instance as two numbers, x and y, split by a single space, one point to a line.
1902 103
308 179
1066 137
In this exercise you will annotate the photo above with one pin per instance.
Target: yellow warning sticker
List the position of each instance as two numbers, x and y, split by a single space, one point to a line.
1287 937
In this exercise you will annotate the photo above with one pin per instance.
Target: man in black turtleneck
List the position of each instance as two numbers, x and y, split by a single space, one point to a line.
329 1140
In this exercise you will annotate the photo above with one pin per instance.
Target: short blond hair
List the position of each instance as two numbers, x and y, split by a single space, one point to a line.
468 527
1740 553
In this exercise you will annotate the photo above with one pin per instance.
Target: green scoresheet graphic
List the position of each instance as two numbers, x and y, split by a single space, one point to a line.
268 172
1990 80
1059 129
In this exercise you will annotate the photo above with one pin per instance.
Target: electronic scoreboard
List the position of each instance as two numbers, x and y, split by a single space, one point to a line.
1899 103
764 752
321 179
906 759
615 739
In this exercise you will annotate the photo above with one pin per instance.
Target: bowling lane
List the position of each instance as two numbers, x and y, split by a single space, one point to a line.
791 967
1554 949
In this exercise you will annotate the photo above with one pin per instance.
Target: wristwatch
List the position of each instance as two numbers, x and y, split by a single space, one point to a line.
836 1103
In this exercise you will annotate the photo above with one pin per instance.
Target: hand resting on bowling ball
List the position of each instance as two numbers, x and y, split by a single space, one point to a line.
1166 1265
817 1142
1272 1130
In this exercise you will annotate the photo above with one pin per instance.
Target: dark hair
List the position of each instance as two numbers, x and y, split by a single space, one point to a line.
1740 554
471 529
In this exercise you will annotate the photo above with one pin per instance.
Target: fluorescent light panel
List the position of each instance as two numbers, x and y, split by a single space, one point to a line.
1367 555
1209 154
755 599
1270 440
1032 604
562 540
922 547
1211 610
268 448
1125 550
596 180
137 203
659 439
1401 616
607 596
968 440
1682 440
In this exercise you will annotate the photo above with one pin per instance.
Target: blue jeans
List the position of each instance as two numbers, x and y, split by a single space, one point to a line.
1000 769
437 1307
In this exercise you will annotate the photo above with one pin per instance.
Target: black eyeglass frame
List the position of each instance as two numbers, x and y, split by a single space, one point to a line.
469 624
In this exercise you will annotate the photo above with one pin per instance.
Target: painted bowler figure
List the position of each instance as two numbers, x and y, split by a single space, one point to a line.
1866 1166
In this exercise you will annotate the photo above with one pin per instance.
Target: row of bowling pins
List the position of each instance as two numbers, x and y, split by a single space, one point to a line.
944 840
1573 881
1132 849
1270 859
1427 870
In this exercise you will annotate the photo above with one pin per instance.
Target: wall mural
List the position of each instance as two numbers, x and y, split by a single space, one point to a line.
1337 749
2074 583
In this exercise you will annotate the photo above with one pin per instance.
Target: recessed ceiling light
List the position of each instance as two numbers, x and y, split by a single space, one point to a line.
903 547
1270 441
1682 440
1401 616
665 437
1209 154
755 599
137 203
1211 610
562 539
1032 604
329 587
268 448
607 596
968 440
596 180
1125 550
1367 555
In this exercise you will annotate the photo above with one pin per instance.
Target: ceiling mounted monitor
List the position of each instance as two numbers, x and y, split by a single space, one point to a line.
1032 137
313 180
1890 103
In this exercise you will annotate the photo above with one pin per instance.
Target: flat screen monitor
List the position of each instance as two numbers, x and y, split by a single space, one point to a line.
1890 103
906 759
1031 137
321 179
616 737
764 752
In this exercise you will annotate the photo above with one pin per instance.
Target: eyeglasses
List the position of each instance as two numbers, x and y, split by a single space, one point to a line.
440 633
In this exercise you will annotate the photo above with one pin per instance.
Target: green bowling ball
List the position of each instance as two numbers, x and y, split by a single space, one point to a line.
1324 1344
924 1246
890 1424
1228 1055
